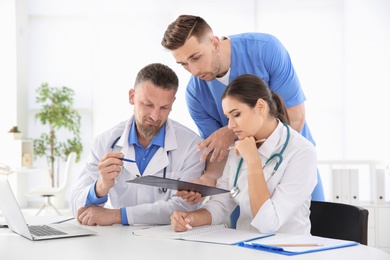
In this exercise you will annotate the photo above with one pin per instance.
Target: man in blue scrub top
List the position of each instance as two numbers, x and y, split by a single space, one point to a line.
214 63
157 146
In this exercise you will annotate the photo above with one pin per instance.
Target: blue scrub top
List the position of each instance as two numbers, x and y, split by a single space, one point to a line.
252 53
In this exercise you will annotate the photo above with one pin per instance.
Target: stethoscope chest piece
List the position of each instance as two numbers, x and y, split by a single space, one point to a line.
234 191
162 190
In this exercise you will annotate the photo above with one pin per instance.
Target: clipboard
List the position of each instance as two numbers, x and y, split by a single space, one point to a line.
296 245
177 185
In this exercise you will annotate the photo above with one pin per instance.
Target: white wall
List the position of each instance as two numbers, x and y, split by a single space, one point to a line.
7 65
97 48
367 67
312 32
339 49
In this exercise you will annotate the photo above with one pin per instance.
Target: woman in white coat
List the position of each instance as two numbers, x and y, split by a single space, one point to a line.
159 146
271 170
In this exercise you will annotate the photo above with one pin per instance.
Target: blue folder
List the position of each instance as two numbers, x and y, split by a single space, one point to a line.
329 244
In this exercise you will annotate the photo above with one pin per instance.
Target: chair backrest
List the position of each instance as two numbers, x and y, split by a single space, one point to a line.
70 162
339 221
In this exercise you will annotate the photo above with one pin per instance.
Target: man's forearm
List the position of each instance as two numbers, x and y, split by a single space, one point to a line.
213 171
297 117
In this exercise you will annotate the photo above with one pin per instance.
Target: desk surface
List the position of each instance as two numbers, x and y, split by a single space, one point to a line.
118 242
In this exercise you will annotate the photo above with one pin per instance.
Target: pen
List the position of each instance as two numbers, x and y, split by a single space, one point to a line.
127 160
295 245
258 141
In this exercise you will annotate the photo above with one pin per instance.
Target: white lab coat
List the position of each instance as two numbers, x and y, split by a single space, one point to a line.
287 211
144 204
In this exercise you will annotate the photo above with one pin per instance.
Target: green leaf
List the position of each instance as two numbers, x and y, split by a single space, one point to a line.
58 113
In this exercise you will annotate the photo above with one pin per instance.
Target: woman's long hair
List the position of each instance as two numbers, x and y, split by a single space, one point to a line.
248 89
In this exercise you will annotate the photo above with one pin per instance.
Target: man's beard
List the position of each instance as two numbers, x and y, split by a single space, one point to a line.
215 67
147 130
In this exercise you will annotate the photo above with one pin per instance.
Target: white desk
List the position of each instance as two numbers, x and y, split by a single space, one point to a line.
118 242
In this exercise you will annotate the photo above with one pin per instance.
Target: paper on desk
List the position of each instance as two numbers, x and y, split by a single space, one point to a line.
218 234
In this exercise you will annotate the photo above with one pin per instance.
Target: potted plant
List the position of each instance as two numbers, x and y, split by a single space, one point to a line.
58 114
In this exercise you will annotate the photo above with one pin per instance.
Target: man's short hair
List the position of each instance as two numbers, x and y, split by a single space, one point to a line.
183 28
160 75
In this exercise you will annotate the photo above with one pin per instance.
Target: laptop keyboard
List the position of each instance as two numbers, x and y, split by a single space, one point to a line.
44 230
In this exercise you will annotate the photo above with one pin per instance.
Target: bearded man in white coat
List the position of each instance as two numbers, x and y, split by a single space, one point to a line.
157 146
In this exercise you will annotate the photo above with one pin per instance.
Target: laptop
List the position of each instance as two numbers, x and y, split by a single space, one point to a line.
17 223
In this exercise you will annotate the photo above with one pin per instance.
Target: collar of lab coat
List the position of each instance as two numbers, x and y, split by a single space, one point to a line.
159 161
268 148
274 141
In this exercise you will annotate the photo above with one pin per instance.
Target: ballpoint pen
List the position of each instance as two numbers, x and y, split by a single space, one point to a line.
127 160
296 245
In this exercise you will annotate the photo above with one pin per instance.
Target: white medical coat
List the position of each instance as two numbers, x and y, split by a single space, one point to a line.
287 211
144 204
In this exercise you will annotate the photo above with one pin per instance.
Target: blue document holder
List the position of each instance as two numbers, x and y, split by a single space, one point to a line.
287 250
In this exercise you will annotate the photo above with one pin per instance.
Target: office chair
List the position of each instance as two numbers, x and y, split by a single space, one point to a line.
48 192
339 221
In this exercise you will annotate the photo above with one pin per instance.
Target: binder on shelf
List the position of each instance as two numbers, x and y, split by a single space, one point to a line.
354 186
336 181
345 186
380 183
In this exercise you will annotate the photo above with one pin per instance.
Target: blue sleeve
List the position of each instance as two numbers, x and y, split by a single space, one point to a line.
92 199
282 76
202 108
124 216
283 79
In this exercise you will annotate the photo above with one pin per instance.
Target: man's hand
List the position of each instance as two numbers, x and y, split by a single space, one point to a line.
95 215
109 168
209 178
191 197
218 142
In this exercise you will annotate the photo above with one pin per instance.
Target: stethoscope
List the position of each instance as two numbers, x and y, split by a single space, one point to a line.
160 190
235 190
